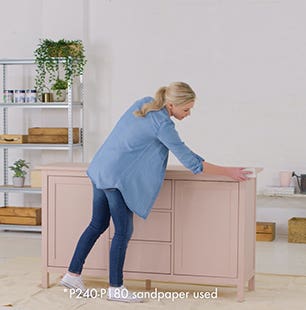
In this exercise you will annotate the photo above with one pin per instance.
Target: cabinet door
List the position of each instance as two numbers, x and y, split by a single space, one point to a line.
69 213
206 228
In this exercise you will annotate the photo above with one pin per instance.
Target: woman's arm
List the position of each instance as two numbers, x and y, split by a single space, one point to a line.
235 173
168 135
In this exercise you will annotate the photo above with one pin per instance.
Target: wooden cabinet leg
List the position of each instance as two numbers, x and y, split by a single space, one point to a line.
240 293
148 284
251 284
45 279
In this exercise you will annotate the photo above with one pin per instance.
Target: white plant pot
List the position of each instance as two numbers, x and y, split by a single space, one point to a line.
18 181
61 97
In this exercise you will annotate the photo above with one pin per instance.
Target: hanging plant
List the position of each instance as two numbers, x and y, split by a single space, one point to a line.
50 56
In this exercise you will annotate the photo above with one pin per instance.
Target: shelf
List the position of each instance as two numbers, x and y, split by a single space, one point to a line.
25 189
37 146
42 105
26 61
20 228
17 61
262 195
68 107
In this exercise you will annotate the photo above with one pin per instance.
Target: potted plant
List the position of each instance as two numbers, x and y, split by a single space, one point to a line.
59 89
19 168
52 57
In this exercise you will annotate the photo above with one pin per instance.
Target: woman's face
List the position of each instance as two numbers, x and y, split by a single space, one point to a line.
181 111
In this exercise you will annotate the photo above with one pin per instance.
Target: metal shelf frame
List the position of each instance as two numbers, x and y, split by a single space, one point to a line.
69 105
17 61
24 189
27 228
41 105
38 146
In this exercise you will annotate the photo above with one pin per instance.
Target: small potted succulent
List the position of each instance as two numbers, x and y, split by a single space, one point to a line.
19 168
59 89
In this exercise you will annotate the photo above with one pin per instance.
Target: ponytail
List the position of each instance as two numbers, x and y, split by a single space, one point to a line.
178 93
157 104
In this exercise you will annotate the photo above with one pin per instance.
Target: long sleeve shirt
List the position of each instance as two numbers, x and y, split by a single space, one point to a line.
134 157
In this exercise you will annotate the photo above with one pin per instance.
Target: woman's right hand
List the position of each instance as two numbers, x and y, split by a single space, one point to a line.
237 173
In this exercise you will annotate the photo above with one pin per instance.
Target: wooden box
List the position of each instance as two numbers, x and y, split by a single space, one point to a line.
20 215
13 139
53 135
36 178
51 139
297 230
265 231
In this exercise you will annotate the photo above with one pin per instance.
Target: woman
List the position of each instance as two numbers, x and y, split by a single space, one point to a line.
127 173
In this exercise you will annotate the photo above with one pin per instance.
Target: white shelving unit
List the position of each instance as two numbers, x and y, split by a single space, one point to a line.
279 209
69 105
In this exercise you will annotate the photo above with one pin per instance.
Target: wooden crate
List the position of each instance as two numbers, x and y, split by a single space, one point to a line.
265 231
53 135
20 215
51 139
13 139
297 230
51 131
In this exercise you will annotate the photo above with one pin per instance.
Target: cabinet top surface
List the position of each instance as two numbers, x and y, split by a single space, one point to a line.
173 171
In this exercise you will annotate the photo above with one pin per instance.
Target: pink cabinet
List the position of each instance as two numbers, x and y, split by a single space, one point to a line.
201 229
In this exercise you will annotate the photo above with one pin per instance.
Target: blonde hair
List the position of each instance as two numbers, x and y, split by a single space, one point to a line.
178 93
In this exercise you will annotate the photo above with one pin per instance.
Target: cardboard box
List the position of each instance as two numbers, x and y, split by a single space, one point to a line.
13 139
297 230
265 231
20 215
53 135
36 178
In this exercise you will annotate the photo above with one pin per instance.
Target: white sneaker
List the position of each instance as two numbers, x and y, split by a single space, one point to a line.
122 294
74 282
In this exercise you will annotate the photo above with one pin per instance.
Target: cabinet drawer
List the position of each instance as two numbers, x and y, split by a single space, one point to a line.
148 257
157 227
163 200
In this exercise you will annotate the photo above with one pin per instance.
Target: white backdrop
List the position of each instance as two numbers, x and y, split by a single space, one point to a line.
244 58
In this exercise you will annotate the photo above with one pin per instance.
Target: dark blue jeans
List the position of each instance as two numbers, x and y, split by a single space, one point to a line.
106 204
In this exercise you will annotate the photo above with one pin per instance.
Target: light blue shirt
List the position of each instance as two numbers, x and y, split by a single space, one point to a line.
134 157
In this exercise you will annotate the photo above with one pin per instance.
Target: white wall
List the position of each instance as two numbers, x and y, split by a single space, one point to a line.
244 58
